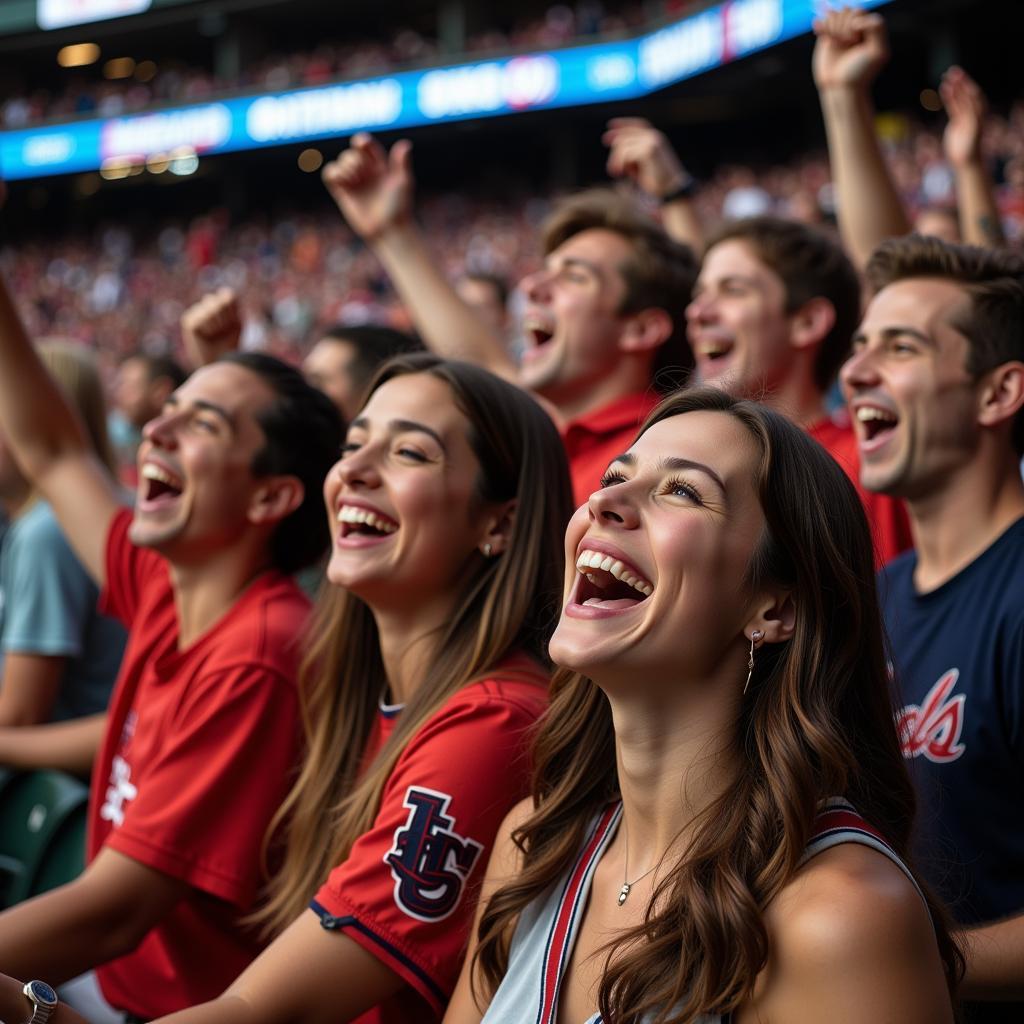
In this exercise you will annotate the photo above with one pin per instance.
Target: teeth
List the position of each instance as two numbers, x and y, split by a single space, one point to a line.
595 560
150 471
866 413
354 514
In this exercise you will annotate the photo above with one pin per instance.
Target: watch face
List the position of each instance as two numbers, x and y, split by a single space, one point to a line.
40 992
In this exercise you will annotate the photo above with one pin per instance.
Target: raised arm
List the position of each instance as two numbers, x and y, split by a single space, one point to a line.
851 49
976 201
373 189
211 327
638 151
50 444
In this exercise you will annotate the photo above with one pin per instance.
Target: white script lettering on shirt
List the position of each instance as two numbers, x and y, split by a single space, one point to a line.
119 791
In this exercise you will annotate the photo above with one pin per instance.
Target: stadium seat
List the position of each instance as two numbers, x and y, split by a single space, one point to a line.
42 833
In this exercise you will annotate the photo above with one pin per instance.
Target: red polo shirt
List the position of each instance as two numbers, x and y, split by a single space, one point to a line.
593 440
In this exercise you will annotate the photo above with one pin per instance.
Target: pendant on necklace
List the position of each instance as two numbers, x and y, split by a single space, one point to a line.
623 893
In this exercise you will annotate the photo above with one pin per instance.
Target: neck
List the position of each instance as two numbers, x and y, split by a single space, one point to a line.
674 756
204 592
798 398
956 522
408 640
630 377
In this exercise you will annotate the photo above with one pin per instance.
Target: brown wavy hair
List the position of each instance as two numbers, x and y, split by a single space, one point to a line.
509 604
817 722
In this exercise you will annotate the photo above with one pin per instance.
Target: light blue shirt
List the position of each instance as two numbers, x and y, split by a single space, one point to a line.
48 606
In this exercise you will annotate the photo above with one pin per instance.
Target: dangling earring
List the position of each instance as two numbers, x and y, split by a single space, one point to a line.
487 550
755 638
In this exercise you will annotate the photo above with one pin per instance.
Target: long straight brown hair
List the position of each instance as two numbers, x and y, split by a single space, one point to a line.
817 722
509 603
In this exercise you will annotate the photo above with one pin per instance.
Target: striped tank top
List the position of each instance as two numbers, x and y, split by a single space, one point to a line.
546 933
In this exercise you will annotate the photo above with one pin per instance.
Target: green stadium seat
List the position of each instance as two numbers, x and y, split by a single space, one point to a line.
42 833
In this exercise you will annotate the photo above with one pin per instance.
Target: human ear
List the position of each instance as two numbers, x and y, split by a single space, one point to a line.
774 617
497 532
276 498
1001 395
645 331
811 323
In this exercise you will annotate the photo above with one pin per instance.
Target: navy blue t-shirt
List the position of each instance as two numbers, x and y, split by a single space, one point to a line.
958 659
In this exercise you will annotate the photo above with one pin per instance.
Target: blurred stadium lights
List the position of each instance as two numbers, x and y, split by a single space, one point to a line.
310 160
119 67
571 76
78 55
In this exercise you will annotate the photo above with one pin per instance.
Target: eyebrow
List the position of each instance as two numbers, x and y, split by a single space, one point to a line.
675 462
750 282
576 261
402 426
202 403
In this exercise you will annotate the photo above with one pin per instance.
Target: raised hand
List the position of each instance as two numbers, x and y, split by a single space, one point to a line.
372 187
211 327
852 48
638 151
966 107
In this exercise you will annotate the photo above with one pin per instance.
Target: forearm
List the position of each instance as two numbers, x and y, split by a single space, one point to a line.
64 746
58 936
228 1009
682 224
979 214
995 961
869 208
447 325
34 415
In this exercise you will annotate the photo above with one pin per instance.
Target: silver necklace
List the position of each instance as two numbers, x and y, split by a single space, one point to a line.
627 885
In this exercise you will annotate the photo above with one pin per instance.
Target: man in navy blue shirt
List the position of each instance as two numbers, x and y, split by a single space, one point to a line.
936 388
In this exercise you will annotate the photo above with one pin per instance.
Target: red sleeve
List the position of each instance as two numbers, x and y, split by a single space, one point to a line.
128 567
402 893
203 805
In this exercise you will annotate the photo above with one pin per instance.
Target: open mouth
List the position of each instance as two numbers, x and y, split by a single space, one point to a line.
608 584
537 337
357 521
875 425
158 486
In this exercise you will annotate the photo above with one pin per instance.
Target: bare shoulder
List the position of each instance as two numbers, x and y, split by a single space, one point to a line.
844 897
850 936
506 858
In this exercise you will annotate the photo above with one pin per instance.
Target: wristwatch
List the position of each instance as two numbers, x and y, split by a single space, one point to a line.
42 999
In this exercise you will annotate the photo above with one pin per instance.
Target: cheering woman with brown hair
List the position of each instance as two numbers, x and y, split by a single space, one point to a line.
720 818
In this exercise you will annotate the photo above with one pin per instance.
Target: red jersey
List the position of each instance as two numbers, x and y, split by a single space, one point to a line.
887 517
593 440
407 891
200 750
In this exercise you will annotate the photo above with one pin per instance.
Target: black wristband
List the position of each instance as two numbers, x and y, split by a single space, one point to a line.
683 191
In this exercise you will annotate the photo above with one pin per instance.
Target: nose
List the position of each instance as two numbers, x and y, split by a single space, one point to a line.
535 285
613 506
699 307
860 369
359 468
162 429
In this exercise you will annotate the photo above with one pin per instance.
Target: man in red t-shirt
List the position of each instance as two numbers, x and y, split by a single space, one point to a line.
201 739
772 315
603 326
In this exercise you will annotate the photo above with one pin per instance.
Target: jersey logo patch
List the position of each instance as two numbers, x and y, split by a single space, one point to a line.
430 861
933 729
